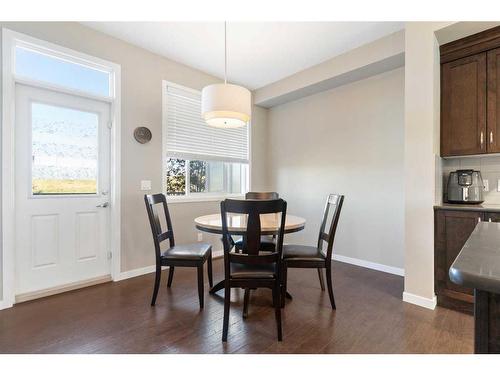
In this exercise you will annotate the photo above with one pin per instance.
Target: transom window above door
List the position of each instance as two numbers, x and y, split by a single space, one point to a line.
200 162
43 66
34 65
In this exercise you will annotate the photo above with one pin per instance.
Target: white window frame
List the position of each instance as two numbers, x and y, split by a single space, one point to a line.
193 197
10 40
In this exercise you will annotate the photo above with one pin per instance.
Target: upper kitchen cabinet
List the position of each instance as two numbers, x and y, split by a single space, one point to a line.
463 106
470 91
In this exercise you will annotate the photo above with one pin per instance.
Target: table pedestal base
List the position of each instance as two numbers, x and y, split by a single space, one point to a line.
220 286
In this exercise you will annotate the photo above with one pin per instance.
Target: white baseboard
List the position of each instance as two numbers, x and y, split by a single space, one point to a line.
5 304
428 303
149 269
135 272
371 265
23 297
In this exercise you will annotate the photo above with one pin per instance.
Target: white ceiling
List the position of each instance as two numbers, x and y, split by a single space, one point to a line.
259 53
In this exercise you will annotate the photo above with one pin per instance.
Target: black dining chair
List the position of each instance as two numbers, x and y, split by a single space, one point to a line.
187 255
300 256
267 243
251 268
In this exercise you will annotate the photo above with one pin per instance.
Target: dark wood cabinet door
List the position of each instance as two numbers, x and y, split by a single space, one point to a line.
493 119
452 229
463 106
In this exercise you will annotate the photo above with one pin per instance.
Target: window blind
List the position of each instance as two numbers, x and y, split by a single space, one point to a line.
189 137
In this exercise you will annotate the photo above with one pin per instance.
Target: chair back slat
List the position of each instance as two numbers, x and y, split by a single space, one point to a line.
252 237
155 198
153 203
334 205
262 195
265 258
324 236
165 235
251 206
251 241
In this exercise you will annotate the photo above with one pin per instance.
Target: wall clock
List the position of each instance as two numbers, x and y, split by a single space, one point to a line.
142 134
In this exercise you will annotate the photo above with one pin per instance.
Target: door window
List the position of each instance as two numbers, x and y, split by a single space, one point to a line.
64 150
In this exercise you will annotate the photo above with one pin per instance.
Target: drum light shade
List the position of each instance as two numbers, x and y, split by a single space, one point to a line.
224 105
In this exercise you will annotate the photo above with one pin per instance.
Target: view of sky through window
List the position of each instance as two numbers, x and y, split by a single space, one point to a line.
40 67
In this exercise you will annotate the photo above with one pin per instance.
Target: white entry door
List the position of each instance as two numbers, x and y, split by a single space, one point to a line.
62 186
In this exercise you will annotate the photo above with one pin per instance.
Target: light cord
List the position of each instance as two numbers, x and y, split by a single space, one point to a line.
225 54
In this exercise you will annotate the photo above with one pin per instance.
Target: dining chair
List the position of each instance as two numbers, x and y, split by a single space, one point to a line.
186 255
267 243
300 256
252 268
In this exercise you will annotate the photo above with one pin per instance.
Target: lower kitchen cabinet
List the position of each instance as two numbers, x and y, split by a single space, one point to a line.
452 229
492 216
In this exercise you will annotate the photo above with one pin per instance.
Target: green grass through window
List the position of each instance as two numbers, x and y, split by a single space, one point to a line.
54 186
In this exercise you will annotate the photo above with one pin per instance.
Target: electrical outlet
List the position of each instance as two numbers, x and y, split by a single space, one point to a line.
200 237
146 185
486 185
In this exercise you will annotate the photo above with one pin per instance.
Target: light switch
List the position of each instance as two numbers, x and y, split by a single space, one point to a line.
146 185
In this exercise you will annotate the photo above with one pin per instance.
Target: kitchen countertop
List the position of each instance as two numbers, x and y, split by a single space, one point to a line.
469 207
478 263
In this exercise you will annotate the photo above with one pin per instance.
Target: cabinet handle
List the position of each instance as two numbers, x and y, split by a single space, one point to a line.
491 136
482 139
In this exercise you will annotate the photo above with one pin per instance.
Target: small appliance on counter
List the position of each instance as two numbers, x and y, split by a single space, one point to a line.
465 186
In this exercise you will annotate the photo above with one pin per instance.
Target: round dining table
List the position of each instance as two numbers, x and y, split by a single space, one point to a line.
237 224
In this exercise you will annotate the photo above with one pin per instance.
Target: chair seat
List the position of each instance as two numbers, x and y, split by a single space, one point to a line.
252 271
193 251
267 243
302 253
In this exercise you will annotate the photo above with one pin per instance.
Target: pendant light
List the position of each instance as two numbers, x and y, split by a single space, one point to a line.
224 105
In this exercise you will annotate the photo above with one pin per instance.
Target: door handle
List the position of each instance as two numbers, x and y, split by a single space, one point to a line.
103 205
481 139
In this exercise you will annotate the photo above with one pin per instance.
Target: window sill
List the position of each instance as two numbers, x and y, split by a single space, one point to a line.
215 198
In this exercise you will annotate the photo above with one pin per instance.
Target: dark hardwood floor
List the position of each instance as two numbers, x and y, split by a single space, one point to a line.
117 318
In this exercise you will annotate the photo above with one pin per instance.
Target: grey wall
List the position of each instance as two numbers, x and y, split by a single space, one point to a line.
348 140
142 73
259 150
